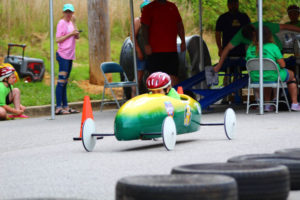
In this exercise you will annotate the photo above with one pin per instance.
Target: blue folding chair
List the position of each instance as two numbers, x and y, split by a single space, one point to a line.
112 67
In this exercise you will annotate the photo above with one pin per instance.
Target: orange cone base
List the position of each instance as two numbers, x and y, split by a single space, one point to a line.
87 112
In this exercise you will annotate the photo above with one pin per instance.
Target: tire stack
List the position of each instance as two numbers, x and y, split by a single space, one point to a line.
292 163
244 177
177 187
187 67
256 181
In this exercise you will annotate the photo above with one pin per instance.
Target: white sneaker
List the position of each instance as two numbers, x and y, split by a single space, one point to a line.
295 107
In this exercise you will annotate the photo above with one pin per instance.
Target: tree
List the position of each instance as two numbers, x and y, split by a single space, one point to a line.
99 38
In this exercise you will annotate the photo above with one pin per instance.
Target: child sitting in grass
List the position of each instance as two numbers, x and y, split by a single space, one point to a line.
9 94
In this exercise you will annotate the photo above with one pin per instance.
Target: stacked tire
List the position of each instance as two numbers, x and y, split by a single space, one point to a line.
244 177
292 163
177 187
256 181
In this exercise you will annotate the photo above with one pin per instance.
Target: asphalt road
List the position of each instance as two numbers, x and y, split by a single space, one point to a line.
39 159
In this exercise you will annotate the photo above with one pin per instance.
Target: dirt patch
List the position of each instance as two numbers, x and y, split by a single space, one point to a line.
87 87
97 89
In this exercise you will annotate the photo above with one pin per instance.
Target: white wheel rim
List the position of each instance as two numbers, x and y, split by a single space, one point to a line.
169 133
230 123
88 129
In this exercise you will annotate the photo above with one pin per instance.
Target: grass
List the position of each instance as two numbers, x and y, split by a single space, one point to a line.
36 35
39 93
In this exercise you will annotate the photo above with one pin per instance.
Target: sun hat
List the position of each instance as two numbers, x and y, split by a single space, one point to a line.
146 2
69 7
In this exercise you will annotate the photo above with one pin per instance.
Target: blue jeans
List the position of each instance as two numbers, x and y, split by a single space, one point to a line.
65 67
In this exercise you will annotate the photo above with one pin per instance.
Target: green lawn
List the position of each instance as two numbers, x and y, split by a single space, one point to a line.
39 93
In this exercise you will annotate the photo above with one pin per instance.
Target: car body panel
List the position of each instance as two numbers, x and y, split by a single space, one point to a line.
146 113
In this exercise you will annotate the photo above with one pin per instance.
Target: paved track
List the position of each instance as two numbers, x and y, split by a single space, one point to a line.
38 158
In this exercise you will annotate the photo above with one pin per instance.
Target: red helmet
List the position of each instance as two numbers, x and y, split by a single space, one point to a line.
6 72
158 80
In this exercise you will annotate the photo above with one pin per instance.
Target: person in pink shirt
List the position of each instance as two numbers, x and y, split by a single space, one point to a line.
66 35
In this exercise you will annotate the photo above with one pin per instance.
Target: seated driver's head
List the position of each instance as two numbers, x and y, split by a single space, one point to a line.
159 82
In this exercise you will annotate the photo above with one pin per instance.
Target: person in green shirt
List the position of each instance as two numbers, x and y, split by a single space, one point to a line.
9 94
245 35
160 83
272 51
293 13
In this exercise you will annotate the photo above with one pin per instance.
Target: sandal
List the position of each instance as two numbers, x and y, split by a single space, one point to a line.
62 112
72 111
22 116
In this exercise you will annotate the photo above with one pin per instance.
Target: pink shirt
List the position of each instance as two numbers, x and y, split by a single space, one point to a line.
66 49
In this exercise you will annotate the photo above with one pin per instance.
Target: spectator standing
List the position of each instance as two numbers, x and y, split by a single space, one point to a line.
139 46
228 24
66 35
161 23
293 13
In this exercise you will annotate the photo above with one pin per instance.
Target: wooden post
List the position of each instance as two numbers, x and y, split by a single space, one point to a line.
99 38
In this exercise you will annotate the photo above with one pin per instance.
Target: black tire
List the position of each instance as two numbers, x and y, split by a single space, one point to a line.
186 69
126 58
256 181
126 61
177 187
292 163
45 198
193 48
291 152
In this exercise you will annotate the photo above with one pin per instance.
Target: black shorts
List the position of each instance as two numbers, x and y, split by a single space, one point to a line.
167 62
7 100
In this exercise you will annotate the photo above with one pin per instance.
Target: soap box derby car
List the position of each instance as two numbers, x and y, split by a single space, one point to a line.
149 116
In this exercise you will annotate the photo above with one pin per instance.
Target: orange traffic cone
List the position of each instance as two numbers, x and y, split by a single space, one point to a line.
179 90
87 112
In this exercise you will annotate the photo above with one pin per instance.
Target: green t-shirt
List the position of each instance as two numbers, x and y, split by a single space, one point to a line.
174 94
298 24
4 91
238 38
272 52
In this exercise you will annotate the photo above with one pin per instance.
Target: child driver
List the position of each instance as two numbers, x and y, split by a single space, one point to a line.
160 83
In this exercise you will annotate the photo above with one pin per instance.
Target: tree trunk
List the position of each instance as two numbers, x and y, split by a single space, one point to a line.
99 38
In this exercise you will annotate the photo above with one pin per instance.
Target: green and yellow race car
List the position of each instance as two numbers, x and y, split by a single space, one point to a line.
150 116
